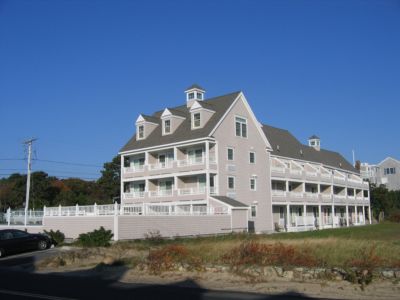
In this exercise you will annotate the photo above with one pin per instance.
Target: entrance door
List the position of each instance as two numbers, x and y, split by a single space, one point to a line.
165 187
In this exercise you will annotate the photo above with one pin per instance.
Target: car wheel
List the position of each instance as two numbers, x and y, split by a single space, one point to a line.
2 253
42 245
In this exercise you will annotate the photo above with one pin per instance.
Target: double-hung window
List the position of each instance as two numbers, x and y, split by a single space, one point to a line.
230 153
196 120
167 126
253 183
140 131
252 157
241 127
231 182
253 211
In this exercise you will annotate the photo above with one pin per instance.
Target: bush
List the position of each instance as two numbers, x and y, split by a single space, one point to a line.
252 253
96 238
363 265
172 257
154 237
57 237
395 217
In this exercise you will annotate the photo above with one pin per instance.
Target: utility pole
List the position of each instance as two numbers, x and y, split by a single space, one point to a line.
28 179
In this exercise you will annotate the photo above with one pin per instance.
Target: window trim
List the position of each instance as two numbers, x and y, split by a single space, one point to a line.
241 126
164 127
227 153
255 211
229 188
254 154
139 137
193 120
255 183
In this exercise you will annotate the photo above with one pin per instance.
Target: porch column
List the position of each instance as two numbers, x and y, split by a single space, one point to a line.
175 153
287 186
369 214
207 155
347 215
363 209
287 217
304 215
208 184
176 184
122 181
356 208
320 216
333 214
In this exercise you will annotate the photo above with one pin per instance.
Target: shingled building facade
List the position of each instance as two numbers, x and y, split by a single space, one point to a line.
213 155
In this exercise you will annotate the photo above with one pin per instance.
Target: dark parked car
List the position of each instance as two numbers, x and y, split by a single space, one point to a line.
15 241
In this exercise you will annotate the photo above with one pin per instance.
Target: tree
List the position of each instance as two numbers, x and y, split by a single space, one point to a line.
109 182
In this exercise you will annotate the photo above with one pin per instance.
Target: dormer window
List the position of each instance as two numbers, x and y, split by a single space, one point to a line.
167 126
196 120
140 132
199 96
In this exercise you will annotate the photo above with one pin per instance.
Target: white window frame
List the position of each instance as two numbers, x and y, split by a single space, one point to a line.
229 188
251 211
255 183
254 154
138 132
227 153
164 127
193 120
241 126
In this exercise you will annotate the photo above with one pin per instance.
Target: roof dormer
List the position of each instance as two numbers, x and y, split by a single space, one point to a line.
194 93
200 113
171 119
144 126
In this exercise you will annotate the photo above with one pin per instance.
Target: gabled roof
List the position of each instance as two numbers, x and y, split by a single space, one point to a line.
290 147
231 202
184 132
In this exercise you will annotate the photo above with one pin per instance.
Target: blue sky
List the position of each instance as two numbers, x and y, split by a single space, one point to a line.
76 74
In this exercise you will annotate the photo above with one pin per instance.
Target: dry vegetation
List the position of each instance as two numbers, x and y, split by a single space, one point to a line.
362 249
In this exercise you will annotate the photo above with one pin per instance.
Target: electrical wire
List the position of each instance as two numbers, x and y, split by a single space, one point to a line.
68 163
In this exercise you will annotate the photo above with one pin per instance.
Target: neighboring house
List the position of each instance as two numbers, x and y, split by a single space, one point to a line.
214 155
387 172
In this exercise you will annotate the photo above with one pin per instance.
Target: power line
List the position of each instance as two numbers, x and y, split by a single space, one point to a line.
69 163
12 158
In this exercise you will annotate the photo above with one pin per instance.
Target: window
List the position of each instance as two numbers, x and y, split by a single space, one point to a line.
254 211
167 126
252 157
140 132
392 170
231 182
196 120
281 213
199 96
230 153
191 96
253 184
241 127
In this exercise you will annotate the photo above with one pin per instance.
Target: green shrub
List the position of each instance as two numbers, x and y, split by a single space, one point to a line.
96 238
57 237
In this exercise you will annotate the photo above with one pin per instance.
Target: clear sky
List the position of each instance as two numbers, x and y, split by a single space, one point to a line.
76 74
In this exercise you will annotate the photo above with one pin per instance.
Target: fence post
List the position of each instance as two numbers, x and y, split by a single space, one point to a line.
8 216
95 209
116 208
143 209
77 209
59 210
44 214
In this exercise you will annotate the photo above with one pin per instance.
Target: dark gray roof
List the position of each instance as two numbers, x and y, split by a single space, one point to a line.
230 201
184 132
313 137
195 86
176 112
285 144
150 118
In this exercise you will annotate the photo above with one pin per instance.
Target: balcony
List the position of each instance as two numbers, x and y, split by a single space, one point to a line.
134 195
133 170
191 191
161 193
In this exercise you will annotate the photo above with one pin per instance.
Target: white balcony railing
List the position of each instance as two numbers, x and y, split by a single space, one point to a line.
278 169
161 193
296 194
133 195
213 190
191 191
162 165
190 162
311 195
134 169
326 175
311 174
278 193
295 171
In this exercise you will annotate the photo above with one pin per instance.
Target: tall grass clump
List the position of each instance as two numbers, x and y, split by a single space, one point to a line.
96 238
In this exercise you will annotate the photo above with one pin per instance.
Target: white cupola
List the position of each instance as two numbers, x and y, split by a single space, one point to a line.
194 93
315 142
